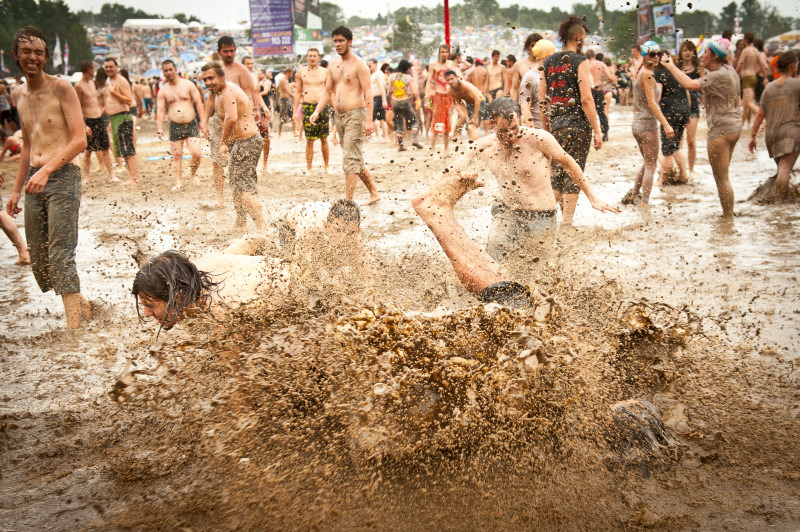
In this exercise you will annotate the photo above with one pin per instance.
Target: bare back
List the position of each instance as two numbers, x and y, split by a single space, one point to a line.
45 125
478 78
311 83
347 79
466 92
88 96
596 68
749 61
179 101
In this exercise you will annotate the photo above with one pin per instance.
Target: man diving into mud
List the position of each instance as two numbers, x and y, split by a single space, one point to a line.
520 159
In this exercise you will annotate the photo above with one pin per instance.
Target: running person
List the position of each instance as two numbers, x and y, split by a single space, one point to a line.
96 123
54 134
720 88
348 76
179 99
573 117
310 85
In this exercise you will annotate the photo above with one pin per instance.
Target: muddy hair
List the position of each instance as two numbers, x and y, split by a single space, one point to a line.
28 33
569 28
173 278
346 210
503 107
785 61
215 66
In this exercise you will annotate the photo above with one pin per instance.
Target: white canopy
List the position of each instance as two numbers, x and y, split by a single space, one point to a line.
153 24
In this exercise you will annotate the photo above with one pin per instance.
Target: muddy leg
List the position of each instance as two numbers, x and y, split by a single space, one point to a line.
177 163
785 165
194 150
219 181
309 153
720 151
323 146
9 227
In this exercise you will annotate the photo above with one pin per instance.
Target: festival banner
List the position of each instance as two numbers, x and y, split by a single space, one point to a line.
271 27
664 24
307 26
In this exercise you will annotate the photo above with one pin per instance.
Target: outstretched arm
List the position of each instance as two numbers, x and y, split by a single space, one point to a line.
683 79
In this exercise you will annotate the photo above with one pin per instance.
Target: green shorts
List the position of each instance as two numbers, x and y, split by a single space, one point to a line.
319 130
122 134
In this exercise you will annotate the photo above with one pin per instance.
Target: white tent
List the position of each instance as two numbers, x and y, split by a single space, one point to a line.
194 25
154 24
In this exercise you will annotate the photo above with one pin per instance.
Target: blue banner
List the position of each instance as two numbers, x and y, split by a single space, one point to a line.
271 27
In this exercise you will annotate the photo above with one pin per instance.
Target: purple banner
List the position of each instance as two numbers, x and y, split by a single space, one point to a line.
271 27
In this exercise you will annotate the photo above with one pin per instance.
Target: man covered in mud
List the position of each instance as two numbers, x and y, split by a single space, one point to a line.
180 99
239 142
54 133
470 104
119 98
520 159
348 76
309 87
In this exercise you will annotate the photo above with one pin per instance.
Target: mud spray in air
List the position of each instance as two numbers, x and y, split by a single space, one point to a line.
651 383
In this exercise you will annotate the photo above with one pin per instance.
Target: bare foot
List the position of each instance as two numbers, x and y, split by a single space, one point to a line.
326 170
85 181
130 182
371 200
114 179
177 187
86 309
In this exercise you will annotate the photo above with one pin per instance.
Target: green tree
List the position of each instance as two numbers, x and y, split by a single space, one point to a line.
751 16
406 37
332 16
620 32
726 17
695 23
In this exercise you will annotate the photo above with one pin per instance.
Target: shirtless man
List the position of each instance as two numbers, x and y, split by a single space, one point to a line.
379 102
598 70
118 107
636 57
519 158
309 87
749 67
348 75
497 77
240 138
480 78
238 74
180 99
466 97
264 114
147 97
521 67
442 102
96 123
510 62
250 65
285 100
54 132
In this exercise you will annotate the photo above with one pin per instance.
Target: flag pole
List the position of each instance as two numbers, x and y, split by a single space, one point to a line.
447 22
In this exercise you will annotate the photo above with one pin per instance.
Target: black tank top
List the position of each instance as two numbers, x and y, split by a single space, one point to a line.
561 75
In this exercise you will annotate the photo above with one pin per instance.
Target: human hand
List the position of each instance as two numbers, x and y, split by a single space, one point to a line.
602 206
750 146
88 131
369 126
669 132
385 105
12 207
313 118
598 140
37 183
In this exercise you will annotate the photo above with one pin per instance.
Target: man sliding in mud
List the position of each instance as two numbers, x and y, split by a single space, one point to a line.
54 133
323 239
520 159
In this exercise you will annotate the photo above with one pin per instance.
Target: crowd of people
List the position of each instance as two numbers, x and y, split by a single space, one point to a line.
539 115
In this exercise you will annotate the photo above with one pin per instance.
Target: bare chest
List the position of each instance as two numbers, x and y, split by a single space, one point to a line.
41 115
345 74
181 92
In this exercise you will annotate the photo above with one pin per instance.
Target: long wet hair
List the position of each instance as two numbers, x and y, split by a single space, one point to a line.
100 78
689 46
173 278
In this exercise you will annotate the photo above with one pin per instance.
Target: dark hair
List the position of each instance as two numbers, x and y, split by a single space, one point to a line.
403 66
86 66
532 39
589 54
503 107
171 277
759 44
225 40
495 52
100 78
312 50
727 34
3 135
689 46
785 61
170 61
385 67
638 48
346 210
749 37
215 66
569 28
449 72
112 59
245 58
344 31
512 58
323 63
28 33
599 56
124 73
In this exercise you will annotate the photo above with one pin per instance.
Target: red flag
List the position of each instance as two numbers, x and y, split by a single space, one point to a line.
447 22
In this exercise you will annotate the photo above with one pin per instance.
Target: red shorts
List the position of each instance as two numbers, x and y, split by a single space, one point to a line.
441 113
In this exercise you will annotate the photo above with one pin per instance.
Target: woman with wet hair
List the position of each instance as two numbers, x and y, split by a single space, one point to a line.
169 287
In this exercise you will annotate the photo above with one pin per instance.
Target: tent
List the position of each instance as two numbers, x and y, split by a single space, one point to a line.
791 35
154 24
152 72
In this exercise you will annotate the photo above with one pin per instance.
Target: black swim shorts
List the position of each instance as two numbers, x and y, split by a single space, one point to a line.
678 123
576 142
508 293
98 140
183 131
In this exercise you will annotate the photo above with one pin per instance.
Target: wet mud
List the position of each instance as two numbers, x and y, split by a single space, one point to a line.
652 383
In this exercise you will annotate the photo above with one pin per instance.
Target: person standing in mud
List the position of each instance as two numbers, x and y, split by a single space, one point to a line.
54 133
349 77
599 70
522 67
676 106
780 108
239 142
689 64
497 77
284 90
469 103
118 98
310 85
749 66
96 123
529 87
520 159
720 88
573 117
442 102
180 99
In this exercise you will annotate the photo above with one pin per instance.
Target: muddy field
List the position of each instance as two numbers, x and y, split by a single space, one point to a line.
414 406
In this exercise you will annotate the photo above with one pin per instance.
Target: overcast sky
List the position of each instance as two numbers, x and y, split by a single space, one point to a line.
237 10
